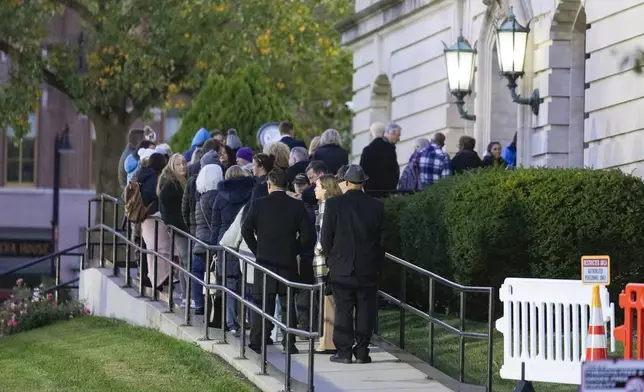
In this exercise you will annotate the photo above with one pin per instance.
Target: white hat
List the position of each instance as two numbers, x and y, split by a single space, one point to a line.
145 153
163 148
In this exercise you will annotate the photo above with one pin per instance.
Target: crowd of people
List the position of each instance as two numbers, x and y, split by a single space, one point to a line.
301 213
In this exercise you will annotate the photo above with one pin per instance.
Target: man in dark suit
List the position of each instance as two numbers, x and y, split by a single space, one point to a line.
380 161
281 225
286 131
351 240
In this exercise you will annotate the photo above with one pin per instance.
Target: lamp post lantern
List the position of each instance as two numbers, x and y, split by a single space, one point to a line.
460 60
511 45
62 145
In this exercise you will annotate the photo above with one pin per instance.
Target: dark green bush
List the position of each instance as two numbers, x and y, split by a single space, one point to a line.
480 227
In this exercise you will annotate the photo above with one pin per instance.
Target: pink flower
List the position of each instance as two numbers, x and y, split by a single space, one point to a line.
12 323
19 281
86 311
50 296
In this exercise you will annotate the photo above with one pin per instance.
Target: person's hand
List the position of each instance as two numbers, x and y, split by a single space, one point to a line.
294 195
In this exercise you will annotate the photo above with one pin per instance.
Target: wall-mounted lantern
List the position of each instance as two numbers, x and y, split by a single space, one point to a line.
461 65
511 45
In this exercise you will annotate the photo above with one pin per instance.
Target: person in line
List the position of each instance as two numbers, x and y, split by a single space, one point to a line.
134 137
315 143
351 240
233 142
280 152
380 161
466 158
510 153
315 170
326 188
409 180
275 228
439 140
131 164
170 191
300 183
189 194
433 164
262 165
298 161
197 141
148 177
493 156
245 159
217 135
206 185
286 132
226 157
234 192
330 152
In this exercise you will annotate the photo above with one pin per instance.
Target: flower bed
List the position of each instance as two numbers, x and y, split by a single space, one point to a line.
28 308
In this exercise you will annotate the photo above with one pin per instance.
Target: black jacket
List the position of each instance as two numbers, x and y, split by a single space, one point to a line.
283 229
233 195
170 204
189 200
333 155
292 142
380 162
465 160
147 179
351 235
203 213
490 161
298 168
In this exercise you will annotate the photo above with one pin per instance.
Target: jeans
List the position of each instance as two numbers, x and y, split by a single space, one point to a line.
198 270
231 305
277 333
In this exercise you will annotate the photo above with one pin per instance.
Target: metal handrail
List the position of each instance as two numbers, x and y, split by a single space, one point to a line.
313 288
64 252
429 316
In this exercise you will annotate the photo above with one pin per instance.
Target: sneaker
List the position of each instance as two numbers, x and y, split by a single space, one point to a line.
183 304
236 333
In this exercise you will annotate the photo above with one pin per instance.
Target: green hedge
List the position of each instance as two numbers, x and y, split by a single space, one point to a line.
483 226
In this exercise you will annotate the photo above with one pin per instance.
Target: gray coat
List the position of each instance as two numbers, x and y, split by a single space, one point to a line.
203 213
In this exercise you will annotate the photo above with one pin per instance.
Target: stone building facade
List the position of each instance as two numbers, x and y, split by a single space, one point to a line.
593 108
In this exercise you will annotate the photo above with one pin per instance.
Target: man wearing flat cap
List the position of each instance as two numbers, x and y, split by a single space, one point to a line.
351 239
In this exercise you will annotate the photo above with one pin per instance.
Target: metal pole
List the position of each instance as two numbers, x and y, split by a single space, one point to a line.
461 340
207 296
490 341
155 277
403 298
262 365
188 283
312 340
287 335
115 214
128 254
142 255
171 276
431 324
224 278
101 245
55 204
242 336
57 279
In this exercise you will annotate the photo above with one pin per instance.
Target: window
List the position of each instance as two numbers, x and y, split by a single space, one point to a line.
21 156
172 124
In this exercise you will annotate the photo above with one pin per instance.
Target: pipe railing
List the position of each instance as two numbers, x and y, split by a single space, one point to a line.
428 316
315 289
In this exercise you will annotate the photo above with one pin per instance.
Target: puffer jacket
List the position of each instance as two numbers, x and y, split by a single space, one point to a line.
189 198
234 193
203 213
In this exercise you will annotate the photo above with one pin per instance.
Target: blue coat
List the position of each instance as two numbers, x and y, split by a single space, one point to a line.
147 179
233 195
199 139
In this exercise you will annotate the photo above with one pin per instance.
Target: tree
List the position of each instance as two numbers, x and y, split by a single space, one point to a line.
244 102
139 54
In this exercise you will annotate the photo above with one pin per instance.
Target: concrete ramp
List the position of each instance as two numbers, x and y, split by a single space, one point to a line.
105 296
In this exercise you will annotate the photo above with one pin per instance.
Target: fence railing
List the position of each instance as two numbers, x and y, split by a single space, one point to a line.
405 307
118 238
56 257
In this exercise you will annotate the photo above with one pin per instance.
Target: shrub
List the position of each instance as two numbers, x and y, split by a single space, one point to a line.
483 226
244 102
28 309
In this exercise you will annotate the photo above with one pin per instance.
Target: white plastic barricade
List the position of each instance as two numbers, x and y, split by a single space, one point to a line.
544 326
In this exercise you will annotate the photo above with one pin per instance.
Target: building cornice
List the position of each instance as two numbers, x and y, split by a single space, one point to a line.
376 17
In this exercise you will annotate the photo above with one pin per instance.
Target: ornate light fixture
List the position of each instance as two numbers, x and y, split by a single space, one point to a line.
461 65
511 44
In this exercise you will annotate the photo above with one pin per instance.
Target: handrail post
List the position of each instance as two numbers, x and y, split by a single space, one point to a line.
287 336
155 276
224 282
431 324
142 256
102 232
114 237
206 317
171 276
128 254
242 336
490 340
187 295
461 339
57 279
310 370
403 298
262 365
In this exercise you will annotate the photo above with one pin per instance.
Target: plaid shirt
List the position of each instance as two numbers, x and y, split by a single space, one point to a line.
433 164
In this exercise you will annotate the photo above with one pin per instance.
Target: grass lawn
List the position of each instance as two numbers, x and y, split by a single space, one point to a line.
97 354
446 350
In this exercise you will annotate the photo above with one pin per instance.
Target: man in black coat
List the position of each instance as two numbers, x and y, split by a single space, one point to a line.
282 227
466 158
380 161
286 132
351 240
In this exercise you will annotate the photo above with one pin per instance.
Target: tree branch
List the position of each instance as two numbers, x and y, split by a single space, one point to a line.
48 76
82 11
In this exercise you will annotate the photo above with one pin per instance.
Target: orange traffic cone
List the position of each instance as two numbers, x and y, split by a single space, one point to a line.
596 347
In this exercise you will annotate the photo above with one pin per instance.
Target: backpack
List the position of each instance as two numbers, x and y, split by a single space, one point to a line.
135 210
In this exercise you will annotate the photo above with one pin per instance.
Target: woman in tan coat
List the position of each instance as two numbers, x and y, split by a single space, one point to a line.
326 187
